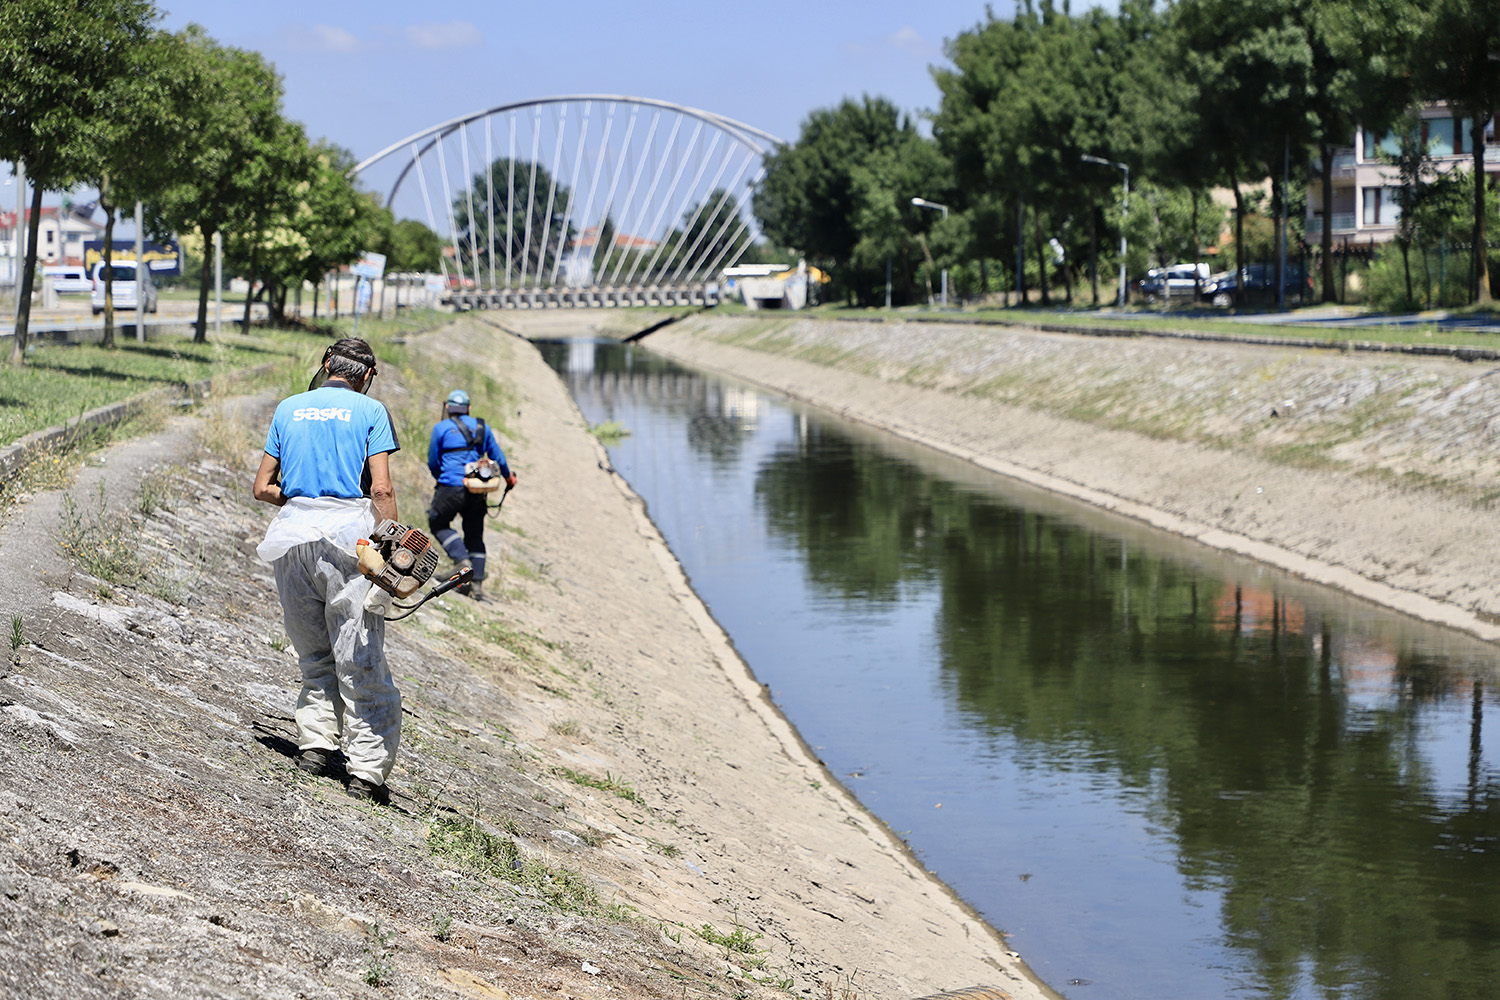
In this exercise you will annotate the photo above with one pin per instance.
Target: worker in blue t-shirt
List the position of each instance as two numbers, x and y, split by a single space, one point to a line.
463 448
327 466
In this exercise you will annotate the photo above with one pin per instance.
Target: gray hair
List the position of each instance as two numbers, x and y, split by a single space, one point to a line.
349 359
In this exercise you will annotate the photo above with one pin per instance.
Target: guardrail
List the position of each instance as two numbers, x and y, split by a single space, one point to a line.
586 298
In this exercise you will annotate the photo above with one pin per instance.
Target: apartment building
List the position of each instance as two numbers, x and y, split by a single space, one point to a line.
1365 207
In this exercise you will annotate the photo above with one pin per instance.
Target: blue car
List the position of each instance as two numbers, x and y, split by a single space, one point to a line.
1260 284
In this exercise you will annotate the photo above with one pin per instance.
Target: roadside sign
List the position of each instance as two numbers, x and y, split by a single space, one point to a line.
369 265
435 284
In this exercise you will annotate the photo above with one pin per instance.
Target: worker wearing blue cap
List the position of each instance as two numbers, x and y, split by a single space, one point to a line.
467 463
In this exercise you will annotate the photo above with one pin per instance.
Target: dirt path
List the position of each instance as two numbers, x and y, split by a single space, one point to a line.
1374 474
592 798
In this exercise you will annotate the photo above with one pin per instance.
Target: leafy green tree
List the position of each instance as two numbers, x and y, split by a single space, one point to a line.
59 64
128 160
409 245
264 237
976 126
1454 58
816 190
1028 98
226 114
1250 70
1359 77
326 222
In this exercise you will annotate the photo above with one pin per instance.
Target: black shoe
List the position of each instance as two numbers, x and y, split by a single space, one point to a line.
316 762
476 590
367 791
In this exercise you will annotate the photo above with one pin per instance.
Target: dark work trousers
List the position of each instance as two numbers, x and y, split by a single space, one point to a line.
451 501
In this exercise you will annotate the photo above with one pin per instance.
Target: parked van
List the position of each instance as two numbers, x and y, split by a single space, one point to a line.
66 278
124 285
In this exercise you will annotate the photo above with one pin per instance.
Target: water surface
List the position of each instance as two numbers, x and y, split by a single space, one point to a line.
1165 772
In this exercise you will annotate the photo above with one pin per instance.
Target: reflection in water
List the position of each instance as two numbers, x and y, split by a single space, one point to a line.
1167 772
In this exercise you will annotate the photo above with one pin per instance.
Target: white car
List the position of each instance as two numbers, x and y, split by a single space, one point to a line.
67 278
124 287
1181 281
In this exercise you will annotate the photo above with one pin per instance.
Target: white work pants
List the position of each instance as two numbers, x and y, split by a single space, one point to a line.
346 684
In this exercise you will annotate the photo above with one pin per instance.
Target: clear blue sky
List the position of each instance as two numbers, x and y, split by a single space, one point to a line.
365 75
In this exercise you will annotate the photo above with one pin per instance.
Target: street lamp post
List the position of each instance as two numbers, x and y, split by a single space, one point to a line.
924 203
1124 208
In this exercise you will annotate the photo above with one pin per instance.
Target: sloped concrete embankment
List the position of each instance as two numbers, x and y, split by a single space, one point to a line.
591 793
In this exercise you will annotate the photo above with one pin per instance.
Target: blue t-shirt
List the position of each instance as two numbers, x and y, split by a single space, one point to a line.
449 451
324 437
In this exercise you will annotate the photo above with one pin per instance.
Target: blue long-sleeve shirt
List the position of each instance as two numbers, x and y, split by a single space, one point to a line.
448 452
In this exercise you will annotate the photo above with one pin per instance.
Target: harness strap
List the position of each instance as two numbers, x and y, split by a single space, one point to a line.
473 439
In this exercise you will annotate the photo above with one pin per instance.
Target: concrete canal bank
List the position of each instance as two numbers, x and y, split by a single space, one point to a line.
593 796
1374 474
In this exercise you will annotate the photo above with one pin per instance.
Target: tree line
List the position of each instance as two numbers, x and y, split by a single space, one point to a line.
93 93
1189 95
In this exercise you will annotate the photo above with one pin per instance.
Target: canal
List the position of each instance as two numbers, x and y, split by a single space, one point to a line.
1163 772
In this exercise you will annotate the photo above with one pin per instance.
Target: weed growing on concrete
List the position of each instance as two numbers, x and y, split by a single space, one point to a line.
842 989
739 940
465 841
569 728
17 633
154 494
99 543
227 438
605 784
378 966
610 432
664 849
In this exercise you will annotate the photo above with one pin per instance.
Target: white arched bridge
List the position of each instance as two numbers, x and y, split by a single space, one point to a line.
583 200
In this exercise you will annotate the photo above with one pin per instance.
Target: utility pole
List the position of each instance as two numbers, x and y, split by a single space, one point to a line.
140 280
924 203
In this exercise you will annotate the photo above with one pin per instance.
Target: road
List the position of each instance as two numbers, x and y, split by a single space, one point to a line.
73 313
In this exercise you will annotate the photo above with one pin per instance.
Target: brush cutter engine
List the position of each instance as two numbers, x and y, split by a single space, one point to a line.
483 476
397 558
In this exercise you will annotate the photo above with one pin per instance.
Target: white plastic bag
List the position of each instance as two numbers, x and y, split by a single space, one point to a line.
307 519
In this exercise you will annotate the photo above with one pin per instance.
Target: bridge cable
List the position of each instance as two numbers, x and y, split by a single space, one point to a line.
427 199
713 187
458 264
682 205
588 207
650 194
489 186
469 205
559 125
536 140
583 138
635 179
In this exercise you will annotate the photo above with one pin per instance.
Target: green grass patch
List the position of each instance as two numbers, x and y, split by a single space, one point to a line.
61 381
610 432
604 784
1427 334
738 941
468 843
